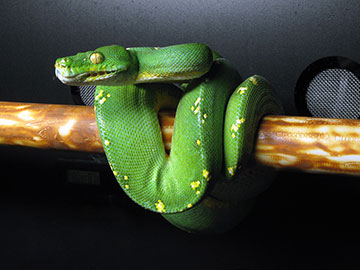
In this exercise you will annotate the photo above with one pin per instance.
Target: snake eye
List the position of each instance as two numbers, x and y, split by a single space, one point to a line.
96 58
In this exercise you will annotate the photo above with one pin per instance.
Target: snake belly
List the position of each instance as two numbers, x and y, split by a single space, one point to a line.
208 181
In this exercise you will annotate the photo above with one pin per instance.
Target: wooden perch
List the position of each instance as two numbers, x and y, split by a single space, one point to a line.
305 143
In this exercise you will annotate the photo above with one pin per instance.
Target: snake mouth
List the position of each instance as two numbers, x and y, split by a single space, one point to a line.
85 78
98 76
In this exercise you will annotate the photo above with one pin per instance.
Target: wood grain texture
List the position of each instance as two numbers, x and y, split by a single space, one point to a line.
310 144
304 143
49 126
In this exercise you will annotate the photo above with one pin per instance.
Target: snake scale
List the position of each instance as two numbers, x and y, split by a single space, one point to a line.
209 181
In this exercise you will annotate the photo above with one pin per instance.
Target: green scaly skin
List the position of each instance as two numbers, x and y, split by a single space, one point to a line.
208 181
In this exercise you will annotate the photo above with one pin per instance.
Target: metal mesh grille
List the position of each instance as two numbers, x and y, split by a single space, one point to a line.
87 94
334 93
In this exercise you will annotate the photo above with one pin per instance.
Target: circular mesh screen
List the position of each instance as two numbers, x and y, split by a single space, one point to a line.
87 94
334 93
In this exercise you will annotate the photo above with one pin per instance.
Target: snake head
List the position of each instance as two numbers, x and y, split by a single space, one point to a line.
108 65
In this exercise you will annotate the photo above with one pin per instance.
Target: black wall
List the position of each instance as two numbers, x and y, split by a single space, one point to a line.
277 39
303 221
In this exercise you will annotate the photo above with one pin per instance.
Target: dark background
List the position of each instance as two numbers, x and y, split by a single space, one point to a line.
49 222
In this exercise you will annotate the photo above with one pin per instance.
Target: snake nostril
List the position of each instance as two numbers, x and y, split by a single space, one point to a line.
64 62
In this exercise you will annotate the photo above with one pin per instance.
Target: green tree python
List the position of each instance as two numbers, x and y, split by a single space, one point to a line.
208 181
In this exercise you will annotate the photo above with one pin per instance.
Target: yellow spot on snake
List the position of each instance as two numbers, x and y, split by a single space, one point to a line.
106 142
197 101
195 184
108 95
197 192
189 205
115 173
196 110
127 186
234 128
240 121
160 206
99 95
253 80
206 174
126 177
198 142
231 171
102 100
192 108
233 135
204 116
242 90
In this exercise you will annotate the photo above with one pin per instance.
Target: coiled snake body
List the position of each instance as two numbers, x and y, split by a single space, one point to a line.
208 181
